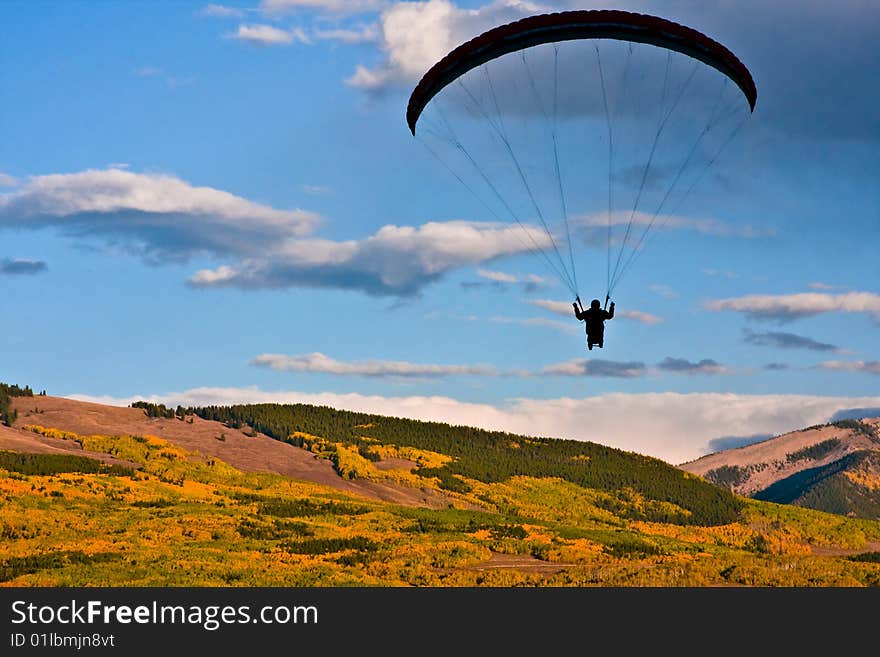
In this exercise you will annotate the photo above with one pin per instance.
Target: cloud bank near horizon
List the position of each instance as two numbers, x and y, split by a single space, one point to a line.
671 426
318 363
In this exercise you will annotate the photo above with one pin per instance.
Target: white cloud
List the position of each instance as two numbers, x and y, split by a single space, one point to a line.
213 277
597 225
267 35
639 316
671 426
684 366
558 307
497 276
413 36
365 78
220 11
795 306
530 280
318 362
870 367
7 181
161 215
397 260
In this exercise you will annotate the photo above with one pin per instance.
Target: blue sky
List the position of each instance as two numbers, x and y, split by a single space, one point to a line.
215 203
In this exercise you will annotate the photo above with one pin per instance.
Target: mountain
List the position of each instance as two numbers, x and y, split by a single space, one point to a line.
834 467
299 495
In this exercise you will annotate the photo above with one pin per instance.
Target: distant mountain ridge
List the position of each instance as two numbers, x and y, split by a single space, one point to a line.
833 467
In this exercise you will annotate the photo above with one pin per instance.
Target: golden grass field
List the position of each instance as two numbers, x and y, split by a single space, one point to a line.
186 519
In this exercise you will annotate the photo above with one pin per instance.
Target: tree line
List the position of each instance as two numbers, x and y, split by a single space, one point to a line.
8 415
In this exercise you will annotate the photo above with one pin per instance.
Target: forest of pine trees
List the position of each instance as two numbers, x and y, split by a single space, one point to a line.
8 415
493 456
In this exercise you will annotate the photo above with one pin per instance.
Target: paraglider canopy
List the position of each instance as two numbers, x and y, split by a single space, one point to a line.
531 115
569 25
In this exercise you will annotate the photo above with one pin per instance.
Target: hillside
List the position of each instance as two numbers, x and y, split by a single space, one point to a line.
295 495
833 467
249 453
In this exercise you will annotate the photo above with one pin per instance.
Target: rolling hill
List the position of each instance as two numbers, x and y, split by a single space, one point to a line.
833 467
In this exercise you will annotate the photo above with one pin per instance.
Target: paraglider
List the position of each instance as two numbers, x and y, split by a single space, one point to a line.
594 320
586 128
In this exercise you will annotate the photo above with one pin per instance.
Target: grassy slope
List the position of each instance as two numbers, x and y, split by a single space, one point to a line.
186 521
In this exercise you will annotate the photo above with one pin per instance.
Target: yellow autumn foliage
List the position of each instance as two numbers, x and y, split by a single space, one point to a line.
188 520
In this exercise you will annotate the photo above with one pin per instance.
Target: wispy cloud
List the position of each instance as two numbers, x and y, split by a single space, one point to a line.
559 307
220 11
595 226
565 327
671 426
784 308
22 267
376 368
663 290
641 317
319 363
363 34
171 81
268 35
497 276
868 367
786 341
597 367
718 272
7 181
529 282
684 366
